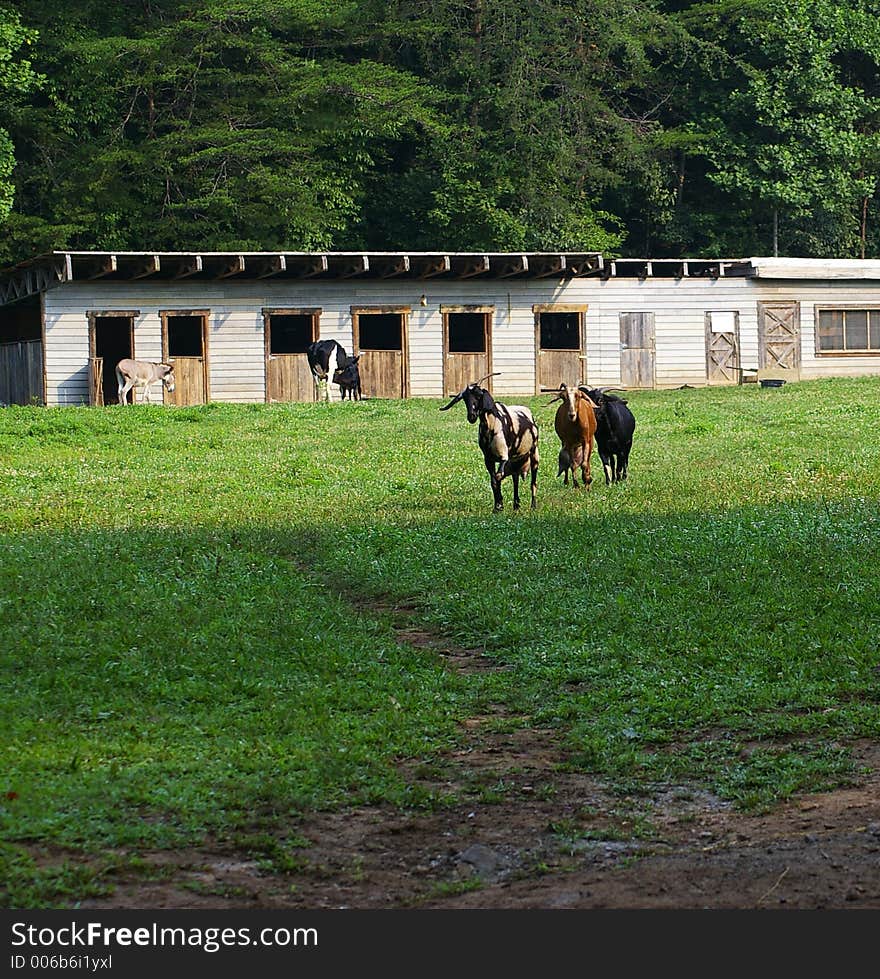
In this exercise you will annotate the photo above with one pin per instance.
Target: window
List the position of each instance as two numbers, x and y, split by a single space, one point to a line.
467 332
185 336
560 331
290 333
380 331
844 330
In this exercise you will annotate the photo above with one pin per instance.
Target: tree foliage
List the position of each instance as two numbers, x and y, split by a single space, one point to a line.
659 128
17 78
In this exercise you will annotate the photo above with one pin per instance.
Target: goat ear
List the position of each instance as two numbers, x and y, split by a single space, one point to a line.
458 397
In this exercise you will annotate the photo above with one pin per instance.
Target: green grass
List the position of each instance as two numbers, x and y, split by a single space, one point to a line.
180 656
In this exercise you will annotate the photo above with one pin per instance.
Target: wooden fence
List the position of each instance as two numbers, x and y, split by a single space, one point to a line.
21 373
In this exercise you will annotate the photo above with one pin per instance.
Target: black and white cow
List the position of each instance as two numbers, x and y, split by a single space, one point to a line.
328 362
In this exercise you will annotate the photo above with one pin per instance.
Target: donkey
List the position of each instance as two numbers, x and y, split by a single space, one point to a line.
141 374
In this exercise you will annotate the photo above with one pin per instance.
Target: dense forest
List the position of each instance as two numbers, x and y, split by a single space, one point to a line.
657 128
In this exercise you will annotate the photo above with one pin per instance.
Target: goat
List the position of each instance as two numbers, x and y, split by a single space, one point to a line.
349 379
575 425
615 425
327 360
142 374
508 438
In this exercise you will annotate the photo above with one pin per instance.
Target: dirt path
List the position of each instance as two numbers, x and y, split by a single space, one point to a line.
527 834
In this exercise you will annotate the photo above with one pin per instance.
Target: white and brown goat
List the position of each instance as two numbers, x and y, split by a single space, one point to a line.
575 424
508 437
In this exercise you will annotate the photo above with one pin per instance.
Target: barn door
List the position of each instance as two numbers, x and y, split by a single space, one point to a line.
637 350
559 346
111 339
185 346
467 346
288 333
380 337
779 336
722 348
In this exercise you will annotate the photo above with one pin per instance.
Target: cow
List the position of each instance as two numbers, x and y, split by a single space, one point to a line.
327 361
508 437
141 374
615 425
349 379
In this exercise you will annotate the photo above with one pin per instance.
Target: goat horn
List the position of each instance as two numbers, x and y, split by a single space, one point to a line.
486 378
457 397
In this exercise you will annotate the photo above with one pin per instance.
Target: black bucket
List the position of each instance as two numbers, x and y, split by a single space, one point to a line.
772 382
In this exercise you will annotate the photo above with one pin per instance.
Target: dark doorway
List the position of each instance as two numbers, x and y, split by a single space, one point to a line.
111 339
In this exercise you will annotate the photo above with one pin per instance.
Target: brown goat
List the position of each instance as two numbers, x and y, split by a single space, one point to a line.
576 427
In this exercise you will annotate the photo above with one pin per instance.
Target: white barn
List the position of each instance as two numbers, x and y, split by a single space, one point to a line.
236 325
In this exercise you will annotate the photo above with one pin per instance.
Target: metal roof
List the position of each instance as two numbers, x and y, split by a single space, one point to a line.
48 270
45 271
815 268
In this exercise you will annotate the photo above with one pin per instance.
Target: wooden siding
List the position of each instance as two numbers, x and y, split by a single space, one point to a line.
235 325
21 372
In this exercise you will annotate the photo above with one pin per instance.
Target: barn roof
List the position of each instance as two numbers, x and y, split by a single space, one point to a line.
44 271
815 268
37 274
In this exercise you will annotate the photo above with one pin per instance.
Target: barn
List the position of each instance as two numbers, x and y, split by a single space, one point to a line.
236 326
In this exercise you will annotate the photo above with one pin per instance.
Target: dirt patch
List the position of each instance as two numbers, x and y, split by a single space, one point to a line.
530 836
526 833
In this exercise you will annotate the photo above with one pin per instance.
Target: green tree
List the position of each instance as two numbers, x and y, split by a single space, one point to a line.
551 107
16 79
208 124
794 141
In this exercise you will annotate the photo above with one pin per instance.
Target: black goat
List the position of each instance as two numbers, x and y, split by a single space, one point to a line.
615 425
508 437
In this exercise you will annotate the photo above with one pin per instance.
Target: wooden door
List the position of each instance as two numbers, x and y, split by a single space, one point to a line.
185 347
637 350
380 337
288 334
779 335
189 382
467 346
722 348
559 346
288 378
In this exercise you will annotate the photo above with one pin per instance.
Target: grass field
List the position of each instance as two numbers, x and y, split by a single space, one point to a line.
195 636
